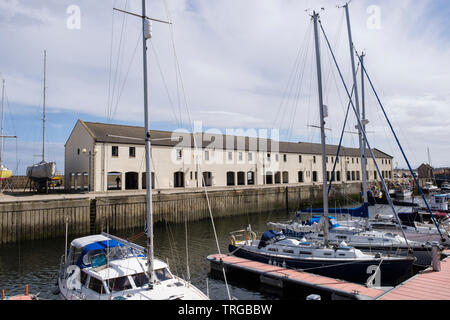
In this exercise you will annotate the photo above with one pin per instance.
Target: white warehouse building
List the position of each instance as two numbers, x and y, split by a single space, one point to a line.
101 157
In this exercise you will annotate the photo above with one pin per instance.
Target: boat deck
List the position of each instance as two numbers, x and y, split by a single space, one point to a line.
427 285
339 287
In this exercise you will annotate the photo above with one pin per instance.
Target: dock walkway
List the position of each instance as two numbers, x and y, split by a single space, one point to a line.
339 287
427 285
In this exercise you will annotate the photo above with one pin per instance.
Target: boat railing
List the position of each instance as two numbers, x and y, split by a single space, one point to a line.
242 235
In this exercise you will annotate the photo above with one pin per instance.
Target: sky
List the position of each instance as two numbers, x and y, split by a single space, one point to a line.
227 64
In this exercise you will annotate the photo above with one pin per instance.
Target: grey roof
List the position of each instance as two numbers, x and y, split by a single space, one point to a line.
122 134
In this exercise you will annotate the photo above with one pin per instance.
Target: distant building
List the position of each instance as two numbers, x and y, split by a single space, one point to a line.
102 157
425 171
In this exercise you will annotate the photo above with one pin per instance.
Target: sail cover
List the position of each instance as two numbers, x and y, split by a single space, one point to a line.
361 212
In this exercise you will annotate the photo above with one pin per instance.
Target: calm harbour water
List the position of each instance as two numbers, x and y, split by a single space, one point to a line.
36 263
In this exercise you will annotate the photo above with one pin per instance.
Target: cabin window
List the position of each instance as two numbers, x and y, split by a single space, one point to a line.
342 254
327 254
140 279
273 249
96 285
305 252
288 251
163 274
119 284
83 278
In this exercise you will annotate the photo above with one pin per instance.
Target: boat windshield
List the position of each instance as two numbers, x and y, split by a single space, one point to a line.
119 284
141 279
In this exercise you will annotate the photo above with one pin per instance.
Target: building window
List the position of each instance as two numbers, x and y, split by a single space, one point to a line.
314 159
268 157
300 159
230 156
206 155
353 160
78 151
348 176
132 152
179 154
357 160
300 176
326 159
357 176
276 157
375 175
285 157
115 151
328 175
338 176
250 156
241 157
353 175
315 176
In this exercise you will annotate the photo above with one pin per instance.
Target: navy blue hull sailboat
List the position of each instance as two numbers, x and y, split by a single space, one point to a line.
320 257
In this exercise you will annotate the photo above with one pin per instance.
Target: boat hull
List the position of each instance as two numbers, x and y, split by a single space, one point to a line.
392 271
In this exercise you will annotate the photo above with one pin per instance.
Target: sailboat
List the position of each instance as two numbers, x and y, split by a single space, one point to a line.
43 172
5 173
106 267
340 261
361 234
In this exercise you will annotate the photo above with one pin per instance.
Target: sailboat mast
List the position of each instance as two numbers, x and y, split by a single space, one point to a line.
322 131
362 144
1 145
146 34
43 118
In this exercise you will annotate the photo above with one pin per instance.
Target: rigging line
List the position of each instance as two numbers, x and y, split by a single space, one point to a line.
165 84
403 153
298 95
296 99
340 141
126 76
110 61
336 48
176 66
203 179
124 19
361 128
291 76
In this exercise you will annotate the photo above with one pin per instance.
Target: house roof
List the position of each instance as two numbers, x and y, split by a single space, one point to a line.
123 134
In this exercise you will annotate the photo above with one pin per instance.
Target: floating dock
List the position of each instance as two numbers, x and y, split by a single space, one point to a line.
426 285
279 276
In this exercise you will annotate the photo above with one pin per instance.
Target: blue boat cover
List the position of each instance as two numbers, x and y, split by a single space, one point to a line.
99 246
316 219
270 234
361 212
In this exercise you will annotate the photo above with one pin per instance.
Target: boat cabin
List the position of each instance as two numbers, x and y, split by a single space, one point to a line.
439 202
109 269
